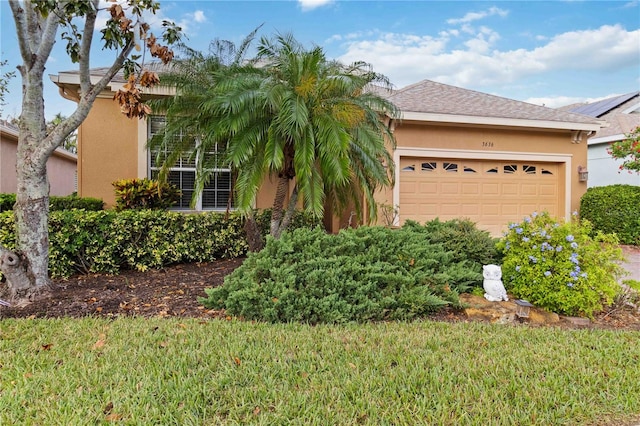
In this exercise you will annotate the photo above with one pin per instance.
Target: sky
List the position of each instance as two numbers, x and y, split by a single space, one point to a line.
551 53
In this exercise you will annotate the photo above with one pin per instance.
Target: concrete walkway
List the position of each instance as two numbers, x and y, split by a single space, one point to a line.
632 265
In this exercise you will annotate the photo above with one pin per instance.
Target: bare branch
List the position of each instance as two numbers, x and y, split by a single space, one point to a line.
85 47
19 17
47 38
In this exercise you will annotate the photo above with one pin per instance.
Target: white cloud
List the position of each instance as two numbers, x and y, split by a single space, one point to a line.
407 58
307 5
198 16
474 16
560 101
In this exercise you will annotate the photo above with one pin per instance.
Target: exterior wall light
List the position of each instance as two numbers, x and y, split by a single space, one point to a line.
522 308
583 174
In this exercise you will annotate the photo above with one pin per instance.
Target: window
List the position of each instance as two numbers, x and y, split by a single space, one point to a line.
450 167
216 193
429 167
530 170
411 168
510 168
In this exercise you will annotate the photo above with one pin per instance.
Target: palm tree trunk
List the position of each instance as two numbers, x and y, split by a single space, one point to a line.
291 209
278 206
253 234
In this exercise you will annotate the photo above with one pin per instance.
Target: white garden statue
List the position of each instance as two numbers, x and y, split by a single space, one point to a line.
492 284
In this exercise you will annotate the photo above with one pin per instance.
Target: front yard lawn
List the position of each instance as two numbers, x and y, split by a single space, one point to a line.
198 371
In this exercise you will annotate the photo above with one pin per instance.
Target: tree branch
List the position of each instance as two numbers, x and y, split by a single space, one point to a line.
85 48
19 17
47 37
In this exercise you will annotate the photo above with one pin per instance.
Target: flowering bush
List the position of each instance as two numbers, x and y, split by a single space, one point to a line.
559 267
628 150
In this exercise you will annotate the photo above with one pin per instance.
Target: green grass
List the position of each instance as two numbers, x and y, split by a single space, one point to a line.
172 372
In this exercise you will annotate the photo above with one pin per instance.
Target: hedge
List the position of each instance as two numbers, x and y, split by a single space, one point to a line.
57 203
107 241
614 209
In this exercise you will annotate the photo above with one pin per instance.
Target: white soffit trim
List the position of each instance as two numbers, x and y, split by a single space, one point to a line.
481 155
606 139
498 121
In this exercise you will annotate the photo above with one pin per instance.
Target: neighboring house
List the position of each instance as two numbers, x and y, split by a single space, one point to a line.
61 166
459 153
621 115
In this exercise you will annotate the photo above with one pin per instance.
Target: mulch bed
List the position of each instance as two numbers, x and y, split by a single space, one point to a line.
173 292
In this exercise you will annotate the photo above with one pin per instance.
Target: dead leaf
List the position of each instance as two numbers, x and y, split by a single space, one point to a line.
256 411
47 347
352 365
112 417
99 309
181 325
163 344
28 375
107 408
237 360
99 344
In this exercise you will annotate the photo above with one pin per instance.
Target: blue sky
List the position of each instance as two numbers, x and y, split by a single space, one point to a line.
544 52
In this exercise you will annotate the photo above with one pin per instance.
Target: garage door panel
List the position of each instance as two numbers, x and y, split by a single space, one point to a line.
471 188
428 188
449 188
490 193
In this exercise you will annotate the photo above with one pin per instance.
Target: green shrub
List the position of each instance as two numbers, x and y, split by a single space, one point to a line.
57 203
108 241
368 273
614 209
145 194
560 267
7 201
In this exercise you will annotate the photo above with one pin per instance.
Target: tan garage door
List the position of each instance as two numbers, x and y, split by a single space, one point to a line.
490 193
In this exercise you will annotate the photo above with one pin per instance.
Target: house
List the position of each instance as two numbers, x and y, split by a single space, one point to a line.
459 153
61 166
621 115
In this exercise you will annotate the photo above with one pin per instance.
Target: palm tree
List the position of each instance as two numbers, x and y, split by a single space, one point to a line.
308 120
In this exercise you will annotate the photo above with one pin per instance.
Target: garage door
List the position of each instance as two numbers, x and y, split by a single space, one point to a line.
490 193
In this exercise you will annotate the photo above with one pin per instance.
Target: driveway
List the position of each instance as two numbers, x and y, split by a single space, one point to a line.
632 264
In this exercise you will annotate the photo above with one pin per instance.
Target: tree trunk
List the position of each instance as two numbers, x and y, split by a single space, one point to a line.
253 234
288 216
27 268
278 206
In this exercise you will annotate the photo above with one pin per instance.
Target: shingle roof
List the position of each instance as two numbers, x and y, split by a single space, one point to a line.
437 98
600 108
612 110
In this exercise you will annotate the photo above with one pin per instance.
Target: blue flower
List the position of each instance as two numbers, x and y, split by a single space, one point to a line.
574 245
573 274
527 219
533 259
512 225
569 238
517 268
583 275
525 239
559 249
534 214
518 230
569 285
547 273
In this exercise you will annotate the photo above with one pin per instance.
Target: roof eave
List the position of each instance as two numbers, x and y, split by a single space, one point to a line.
498 121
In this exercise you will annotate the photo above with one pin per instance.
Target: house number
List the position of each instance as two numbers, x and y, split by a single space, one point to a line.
487 144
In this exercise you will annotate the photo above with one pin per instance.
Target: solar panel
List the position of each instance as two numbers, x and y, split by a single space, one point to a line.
597 109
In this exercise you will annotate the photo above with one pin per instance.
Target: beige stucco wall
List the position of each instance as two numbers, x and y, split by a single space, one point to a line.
107 150
61 168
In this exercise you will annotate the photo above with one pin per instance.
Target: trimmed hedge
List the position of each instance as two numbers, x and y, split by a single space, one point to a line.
614 209
107 241
57 203
362 274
